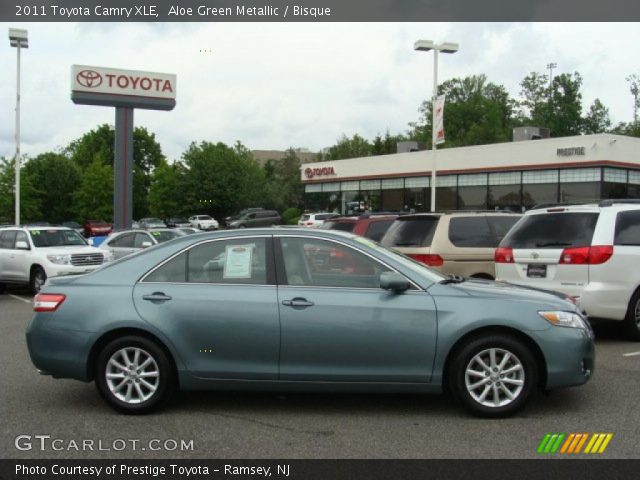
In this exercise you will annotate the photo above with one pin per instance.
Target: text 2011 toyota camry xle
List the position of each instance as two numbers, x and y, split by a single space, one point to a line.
289 309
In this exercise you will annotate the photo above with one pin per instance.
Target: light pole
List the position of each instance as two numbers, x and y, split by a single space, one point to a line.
446 47
550 67
18 38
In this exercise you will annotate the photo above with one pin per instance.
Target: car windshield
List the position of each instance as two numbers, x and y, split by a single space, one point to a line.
165 235
55 238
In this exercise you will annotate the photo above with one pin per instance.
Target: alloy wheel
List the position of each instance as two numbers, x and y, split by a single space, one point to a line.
494 377
132 375
637 314
39 280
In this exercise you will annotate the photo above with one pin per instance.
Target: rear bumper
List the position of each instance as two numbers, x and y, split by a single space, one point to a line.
569 354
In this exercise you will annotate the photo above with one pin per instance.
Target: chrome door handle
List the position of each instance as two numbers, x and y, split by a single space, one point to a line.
298 302
156 297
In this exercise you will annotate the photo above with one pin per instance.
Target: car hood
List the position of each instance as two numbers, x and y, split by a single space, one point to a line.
509 291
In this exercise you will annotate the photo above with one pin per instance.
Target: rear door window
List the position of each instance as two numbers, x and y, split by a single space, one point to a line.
471 232
377 229
552 230
628 229
7 238
411 232
122 241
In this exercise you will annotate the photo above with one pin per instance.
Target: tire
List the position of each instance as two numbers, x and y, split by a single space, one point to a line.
121 392
37 280
632 319
3 287
522 376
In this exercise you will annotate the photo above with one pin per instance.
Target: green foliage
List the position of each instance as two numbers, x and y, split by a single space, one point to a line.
353 147
166 192
597 119
284 186
29 211
94 198
387 144
290 214
55 179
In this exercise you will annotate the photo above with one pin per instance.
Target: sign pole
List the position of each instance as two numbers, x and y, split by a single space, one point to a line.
433 132
123 171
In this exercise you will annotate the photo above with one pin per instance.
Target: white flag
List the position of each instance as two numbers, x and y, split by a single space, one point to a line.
438 120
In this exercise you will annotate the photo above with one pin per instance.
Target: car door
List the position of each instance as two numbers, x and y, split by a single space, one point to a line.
338 325
18 262
7 240
122 245
217 303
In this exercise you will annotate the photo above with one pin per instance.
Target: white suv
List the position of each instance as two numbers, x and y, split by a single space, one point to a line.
204 222
315 219
29 255
591 252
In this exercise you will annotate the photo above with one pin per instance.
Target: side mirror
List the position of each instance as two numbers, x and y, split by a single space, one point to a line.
22 245
394 281
146 244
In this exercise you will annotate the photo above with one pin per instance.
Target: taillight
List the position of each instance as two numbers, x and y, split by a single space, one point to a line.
595 255
47 302
503 255
428 259
309 223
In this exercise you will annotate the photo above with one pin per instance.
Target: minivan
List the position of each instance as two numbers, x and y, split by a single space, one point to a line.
260 218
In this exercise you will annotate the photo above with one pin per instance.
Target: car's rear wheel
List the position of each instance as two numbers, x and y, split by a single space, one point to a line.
493 375
134 375
632 320
37 280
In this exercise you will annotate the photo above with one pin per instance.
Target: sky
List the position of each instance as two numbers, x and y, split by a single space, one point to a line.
278 85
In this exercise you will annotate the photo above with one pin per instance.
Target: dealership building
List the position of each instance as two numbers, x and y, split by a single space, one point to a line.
513 176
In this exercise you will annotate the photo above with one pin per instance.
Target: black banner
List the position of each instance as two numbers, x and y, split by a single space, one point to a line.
317 469
317 10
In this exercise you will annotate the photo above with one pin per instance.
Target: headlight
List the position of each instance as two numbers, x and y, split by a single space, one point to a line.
59 259
564 319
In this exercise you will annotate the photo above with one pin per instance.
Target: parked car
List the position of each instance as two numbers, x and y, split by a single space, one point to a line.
31 255
151 222
74 226
222 311
241 213
177 222
204 222
126 242
97 228
315 219
591 252
260 218
369 225
458 243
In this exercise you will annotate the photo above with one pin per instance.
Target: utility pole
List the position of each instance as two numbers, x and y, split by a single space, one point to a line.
634 83
550 67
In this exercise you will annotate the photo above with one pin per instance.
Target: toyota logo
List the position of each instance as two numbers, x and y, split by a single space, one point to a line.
89 78
308 172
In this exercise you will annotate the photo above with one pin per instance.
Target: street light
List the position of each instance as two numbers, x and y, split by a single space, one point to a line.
19 39
550 67
446 47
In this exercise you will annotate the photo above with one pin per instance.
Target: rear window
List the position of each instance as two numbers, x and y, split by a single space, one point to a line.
411 232
471 232
628 228
553 230
377 229
342 226
304 218
324 216
502 225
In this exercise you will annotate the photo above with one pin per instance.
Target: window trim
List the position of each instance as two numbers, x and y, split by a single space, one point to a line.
281 276
269 258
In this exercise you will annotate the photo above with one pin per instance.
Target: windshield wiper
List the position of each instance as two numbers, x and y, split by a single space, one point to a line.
553 244
453 279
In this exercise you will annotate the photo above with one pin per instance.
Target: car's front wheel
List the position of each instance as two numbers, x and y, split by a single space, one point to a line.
493 375
134 375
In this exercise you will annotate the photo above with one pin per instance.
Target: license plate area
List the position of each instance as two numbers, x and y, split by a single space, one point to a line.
536 271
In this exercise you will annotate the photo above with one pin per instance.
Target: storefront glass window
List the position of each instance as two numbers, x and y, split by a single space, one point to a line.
417 199
505 197
393 200
538 193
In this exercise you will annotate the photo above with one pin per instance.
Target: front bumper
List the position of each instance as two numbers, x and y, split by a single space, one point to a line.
55 270
569 354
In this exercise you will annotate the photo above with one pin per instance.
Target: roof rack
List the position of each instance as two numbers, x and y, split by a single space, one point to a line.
480 211
541 206
616 201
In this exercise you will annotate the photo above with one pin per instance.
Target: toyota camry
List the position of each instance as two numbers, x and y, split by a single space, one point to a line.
291 309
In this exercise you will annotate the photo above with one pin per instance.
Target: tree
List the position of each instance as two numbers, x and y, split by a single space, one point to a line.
29 211
353 147
386 145
219 180
55 179
597 119
284 188
476 112
94 197
166 191
99 145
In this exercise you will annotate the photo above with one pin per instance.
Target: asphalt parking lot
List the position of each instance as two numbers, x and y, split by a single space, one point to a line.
271 425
